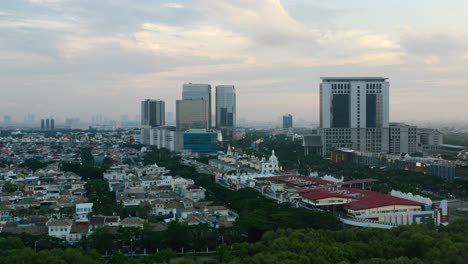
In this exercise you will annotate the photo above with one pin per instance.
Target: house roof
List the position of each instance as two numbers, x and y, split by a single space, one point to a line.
60 222
366 199
79 229
101 219
318 195
132 221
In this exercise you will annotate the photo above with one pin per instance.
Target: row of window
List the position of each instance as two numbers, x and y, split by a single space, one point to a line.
59 229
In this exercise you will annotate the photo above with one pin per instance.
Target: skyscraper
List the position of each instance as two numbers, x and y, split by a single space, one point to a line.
354 113
192 114
42 124
192 91
47 123
153 113
7 120
52 124
226 110
287 121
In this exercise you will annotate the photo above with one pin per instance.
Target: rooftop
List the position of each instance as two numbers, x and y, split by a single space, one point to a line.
381 79
369 199
297 180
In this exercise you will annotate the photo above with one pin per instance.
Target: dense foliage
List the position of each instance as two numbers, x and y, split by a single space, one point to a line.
33 164
424 243
87 169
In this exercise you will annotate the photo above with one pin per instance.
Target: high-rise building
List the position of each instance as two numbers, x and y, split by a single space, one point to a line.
29 119
52 124
403 138
226 110
192 91
354 113
170 118
47 124
153 113
42 124
7 120
287 121
192 114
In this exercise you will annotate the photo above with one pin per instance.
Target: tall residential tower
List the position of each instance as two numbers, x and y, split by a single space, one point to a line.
226 110
354 113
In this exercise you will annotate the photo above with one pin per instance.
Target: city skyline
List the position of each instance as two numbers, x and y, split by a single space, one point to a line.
80 65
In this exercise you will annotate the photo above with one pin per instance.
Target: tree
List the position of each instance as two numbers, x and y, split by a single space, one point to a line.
10 187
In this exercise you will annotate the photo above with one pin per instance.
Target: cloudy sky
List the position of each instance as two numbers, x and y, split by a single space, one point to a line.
83 57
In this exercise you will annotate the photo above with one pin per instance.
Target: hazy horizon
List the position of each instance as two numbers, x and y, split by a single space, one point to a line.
66 58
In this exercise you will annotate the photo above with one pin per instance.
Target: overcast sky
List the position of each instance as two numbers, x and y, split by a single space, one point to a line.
82 57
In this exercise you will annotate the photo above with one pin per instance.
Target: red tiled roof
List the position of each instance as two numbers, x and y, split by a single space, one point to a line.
297 180
368 199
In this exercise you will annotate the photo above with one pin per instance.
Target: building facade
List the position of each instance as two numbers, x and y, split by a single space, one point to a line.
192 114
162 137
354 113
153 113
226 110
201 141
403 139
192 91
287 121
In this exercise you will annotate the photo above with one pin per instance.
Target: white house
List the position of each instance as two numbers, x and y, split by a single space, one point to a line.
82 211
59 228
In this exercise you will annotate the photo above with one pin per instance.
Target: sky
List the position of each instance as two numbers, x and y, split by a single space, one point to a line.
67 58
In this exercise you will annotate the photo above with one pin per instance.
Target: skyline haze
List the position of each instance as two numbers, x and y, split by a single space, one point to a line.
60 59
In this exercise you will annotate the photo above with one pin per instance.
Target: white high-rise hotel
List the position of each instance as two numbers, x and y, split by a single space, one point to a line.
354 113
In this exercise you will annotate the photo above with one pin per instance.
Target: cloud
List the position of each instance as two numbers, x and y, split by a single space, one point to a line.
431 60
382 58
45 24
205 41
435 44
174 5
55 5
134 49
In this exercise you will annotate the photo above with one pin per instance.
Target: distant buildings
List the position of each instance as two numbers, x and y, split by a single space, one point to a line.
192 91
287 121
193 120
170 119
354 113
47 124
192 114
226 110
71 122
153 113
7 120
